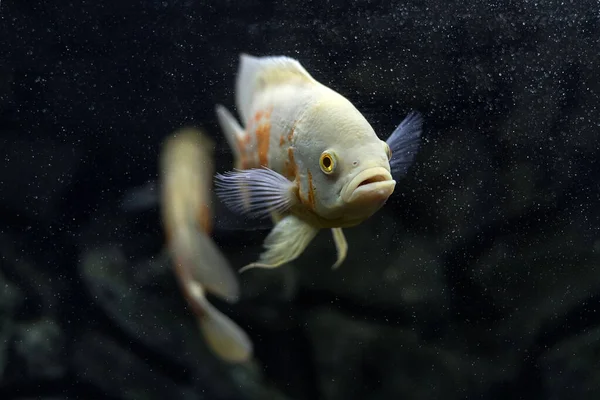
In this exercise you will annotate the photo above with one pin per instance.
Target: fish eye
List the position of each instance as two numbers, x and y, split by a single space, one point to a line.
327 162
388 151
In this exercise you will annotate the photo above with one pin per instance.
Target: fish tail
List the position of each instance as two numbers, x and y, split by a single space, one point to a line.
195 273
224 337
234 134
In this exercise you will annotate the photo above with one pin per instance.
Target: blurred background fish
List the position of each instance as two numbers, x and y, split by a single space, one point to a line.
186 170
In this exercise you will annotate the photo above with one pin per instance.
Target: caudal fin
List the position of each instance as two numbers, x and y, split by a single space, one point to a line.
224 337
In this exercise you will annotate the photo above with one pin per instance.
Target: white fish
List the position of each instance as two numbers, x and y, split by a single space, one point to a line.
306 157
186 171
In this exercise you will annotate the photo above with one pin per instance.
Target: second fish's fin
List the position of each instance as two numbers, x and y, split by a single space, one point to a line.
199 254
286 242
224 337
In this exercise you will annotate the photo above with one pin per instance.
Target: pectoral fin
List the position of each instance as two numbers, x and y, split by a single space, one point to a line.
341 246
256 192
404 143
224 337
288 239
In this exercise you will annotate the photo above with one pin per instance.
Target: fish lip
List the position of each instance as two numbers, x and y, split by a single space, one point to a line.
372 183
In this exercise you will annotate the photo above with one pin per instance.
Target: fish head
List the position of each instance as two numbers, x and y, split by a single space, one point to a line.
350 169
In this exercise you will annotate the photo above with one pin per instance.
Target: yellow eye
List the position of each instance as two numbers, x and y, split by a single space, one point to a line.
327 162
388 151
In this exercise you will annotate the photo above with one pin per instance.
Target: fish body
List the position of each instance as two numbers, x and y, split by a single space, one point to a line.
186 170
306 156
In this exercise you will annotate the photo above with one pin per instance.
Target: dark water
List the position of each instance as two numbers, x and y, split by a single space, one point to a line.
479 279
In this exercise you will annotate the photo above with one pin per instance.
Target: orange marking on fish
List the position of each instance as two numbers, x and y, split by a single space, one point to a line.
263 134
263 114
243 143
281 141
244 161
290 167
204 219
311 191
291 134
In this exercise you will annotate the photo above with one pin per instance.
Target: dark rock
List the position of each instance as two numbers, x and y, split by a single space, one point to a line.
358 360
38 274
39 349
143 301
385 270
121 374
111 283
535 275
11 298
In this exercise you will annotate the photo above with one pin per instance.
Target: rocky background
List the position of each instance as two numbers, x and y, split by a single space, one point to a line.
479 279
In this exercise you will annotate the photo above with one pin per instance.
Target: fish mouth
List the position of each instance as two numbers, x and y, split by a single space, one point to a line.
373 184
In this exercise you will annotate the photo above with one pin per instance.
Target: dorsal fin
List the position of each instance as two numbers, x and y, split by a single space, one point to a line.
256 73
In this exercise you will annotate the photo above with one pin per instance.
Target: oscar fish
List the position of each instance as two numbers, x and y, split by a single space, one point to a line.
306 157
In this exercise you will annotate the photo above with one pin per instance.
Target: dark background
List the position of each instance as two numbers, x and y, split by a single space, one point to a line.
479 279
